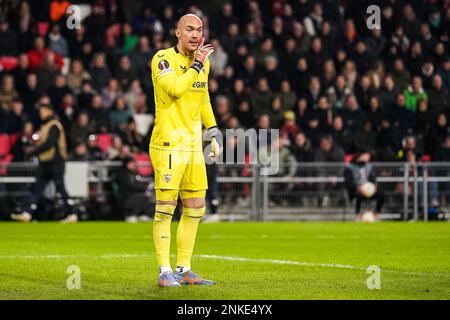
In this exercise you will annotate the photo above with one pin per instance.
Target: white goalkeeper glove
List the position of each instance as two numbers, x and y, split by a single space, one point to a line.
216 148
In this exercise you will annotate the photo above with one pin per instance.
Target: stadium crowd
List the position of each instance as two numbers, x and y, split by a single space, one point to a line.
312 69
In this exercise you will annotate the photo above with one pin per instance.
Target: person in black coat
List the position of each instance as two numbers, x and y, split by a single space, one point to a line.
80 152
442 154
57 90
225 18
99 72
131 137
341 135
302 148
388 92
423 118
312 130
375 113
401 117
31 93
316 56
438 96
98 115
21 72
299 76
84 98
439 131
328 151
388 142
365 139
353 116
325 114
245 114
24 142
363 92
16 117
361 57
9 44
132 189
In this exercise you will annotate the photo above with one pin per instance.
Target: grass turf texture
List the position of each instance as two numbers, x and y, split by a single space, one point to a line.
117 262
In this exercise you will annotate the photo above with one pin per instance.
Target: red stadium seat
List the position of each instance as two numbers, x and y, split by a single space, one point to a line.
104 141
348 158
42 28
5 144
13 139
9 63
4 161
144 166
426 158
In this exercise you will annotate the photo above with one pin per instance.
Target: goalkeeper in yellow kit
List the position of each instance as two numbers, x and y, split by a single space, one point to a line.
180 80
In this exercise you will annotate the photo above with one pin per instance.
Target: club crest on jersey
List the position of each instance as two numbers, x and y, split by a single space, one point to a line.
163 64
183 68
167 178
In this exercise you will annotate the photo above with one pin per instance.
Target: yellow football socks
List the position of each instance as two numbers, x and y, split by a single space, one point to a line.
161 233
186 233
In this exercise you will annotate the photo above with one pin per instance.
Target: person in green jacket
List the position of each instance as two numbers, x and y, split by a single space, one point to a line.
130 40
414 93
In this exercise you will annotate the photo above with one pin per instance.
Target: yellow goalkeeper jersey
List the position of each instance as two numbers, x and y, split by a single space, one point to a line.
182 102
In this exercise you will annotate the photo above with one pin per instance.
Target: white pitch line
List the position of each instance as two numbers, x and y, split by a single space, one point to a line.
226 258
286 262
315 264
73 256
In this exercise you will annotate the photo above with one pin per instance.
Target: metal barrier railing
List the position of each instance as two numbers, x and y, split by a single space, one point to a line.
406 187
315 192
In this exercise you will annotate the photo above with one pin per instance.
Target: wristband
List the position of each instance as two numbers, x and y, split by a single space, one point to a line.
197 66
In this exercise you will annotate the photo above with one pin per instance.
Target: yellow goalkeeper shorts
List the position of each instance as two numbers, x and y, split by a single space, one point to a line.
179 170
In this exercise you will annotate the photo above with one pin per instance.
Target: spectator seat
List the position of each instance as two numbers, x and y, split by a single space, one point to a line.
348 158
5 144
104 141
144 166
4 161
13 139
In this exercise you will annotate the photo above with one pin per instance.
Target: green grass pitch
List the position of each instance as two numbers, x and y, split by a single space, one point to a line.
248 261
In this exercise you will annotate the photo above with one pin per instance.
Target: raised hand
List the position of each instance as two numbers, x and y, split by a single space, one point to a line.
203 51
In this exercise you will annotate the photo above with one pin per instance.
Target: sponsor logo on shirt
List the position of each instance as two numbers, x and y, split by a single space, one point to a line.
199 84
